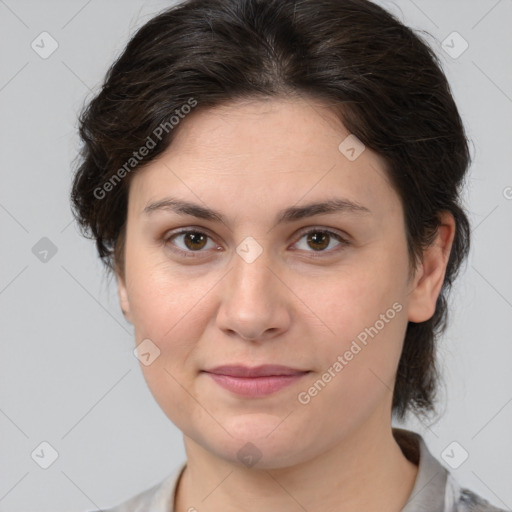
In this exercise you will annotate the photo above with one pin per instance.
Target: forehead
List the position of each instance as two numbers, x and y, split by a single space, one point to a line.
272 152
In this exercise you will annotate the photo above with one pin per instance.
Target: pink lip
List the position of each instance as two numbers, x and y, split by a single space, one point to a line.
256 381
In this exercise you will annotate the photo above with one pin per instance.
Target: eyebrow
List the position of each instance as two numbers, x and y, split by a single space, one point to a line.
290 214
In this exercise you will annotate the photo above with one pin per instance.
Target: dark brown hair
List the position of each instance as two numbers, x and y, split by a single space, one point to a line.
385 84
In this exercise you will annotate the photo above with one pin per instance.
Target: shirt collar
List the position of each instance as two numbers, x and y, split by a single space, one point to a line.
428 493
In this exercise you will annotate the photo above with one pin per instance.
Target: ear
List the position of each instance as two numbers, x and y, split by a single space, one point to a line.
123 297
429 276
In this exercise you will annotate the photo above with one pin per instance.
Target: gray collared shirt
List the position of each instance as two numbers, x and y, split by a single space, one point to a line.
435 489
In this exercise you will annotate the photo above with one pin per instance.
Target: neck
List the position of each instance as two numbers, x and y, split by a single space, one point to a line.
366 470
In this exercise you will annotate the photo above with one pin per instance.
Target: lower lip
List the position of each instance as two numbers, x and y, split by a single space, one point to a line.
255 386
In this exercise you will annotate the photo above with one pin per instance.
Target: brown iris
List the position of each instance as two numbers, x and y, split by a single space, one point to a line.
319 238
194 240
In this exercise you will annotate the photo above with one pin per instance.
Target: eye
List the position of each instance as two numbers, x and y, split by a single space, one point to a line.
189 241
320 240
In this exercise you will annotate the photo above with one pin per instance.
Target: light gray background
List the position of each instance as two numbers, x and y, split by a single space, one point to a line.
67 372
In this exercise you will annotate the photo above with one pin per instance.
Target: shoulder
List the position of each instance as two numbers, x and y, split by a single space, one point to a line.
158 498
459 499
435 488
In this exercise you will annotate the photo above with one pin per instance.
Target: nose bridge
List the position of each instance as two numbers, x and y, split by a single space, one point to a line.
251 279
252 303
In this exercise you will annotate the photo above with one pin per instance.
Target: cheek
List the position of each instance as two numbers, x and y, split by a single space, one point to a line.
360 359
352 299
168 307
161 295
170 311
364 307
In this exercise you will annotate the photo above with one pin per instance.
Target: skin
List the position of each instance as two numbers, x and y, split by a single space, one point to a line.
249 160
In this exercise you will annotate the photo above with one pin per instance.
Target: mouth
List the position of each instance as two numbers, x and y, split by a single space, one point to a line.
255 381
264 370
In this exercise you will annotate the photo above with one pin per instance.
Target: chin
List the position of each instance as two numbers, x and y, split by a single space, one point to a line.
258 440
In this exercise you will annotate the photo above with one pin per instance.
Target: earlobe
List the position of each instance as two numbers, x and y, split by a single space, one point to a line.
430 273
123 298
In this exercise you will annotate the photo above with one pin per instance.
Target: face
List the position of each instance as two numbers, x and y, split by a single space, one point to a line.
250 273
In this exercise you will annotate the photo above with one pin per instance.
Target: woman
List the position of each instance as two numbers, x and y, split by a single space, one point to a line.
275 185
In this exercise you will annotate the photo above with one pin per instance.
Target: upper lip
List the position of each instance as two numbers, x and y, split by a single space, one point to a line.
264 370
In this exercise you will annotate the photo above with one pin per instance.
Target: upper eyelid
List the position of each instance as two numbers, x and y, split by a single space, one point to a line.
320 229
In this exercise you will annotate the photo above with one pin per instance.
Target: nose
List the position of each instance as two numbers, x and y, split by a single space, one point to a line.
254 304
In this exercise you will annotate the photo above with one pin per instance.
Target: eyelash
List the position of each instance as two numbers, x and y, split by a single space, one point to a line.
314 254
